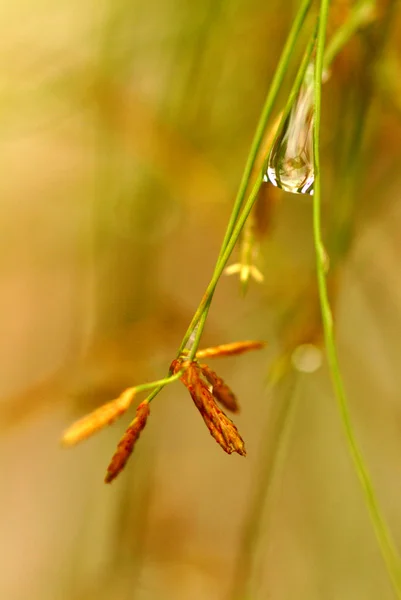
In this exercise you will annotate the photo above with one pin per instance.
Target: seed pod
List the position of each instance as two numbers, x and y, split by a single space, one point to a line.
127 442
99 418
220 391
220 426
230 349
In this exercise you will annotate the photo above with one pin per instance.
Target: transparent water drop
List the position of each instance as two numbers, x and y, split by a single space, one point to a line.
290 163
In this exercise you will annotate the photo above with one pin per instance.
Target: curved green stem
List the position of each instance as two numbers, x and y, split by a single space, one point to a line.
200 316
383 536
158 384
256 143
342 36
266 112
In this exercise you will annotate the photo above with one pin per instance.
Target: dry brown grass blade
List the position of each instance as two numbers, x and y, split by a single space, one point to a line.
127 442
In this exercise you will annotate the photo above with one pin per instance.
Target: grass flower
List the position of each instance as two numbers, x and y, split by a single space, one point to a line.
127 442
198 379
221 428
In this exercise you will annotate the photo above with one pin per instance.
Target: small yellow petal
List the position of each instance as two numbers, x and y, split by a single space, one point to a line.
232 269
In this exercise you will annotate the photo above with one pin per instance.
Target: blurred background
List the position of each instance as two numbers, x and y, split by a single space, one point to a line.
125 127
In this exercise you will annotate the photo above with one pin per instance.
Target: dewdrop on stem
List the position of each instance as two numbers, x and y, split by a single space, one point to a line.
290 163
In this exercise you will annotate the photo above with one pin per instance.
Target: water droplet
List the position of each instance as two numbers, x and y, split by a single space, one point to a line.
290 163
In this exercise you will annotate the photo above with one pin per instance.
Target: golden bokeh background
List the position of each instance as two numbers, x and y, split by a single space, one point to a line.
125 127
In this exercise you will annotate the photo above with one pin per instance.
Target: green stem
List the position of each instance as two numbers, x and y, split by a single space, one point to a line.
233 230
266 112
256 143
228 245
361 15
159 384
221 263
339 39
199 329
201 312
383 536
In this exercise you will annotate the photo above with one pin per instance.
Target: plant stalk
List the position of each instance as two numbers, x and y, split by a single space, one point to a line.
387 547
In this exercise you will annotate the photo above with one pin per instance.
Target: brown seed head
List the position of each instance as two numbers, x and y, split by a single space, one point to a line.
127 442
99 418
220 391
230 349
220 426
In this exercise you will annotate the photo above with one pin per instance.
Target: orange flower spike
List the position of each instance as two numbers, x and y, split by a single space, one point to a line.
230 349
127 442
191 379
99 418
220 391
220 426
